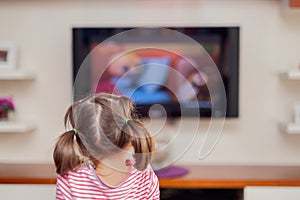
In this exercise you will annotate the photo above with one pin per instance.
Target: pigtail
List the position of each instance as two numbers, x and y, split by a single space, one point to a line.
65 156
65 152
143 144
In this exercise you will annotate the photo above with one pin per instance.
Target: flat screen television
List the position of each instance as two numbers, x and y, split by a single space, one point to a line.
158 66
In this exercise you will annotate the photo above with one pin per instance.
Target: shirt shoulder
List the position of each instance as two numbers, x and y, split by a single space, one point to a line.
146 176
81 176
81 171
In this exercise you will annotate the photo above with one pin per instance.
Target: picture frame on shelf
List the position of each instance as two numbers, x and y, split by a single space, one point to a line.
8 55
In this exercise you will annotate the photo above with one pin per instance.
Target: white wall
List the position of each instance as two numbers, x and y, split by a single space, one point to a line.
269 44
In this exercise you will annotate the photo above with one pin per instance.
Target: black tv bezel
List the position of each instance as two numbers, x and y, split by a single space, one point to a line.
173 110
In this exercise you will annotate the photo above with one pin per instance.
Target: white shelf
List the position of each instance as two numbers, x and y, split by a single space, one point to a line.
290 128
15 127
15 75
291 75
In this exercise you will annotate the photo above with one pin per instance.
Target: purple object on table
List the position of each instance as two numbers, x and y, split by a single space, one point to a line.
170 172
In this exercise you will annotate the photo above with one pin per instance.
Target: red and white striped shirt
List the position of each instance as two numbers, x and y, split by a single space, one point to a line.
85 183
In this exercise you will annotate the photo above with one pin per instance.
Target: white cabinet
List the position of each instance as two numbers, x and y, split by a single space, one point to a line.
271 193
27 191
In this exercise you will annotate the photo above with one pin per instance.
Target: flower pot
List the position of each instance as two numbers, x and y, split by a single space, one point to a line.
3 115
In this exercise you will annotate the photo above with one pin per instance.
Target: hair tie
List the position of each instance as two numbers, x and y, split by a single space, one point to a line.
126 121
75 131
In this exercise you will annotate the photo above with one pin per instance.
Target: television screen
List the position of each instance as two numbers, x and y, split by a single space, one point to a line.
175 71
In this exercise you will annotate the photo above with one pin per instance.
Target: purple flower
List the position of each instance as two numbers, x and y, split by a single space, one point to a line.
7 104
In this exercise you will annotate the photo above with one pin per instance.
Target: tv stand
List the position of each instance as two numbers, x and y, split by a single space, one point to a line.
222 178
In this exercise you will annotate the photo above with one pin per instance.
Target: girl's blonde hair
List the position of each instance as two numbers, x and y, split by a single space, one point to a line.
103 124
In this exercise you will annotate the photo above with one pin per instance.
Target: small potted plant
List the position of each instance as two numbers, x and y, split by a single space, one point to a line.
6 106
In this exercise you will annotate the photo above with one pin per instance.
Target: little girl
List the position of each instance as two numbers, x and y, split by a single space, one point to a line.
93 158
